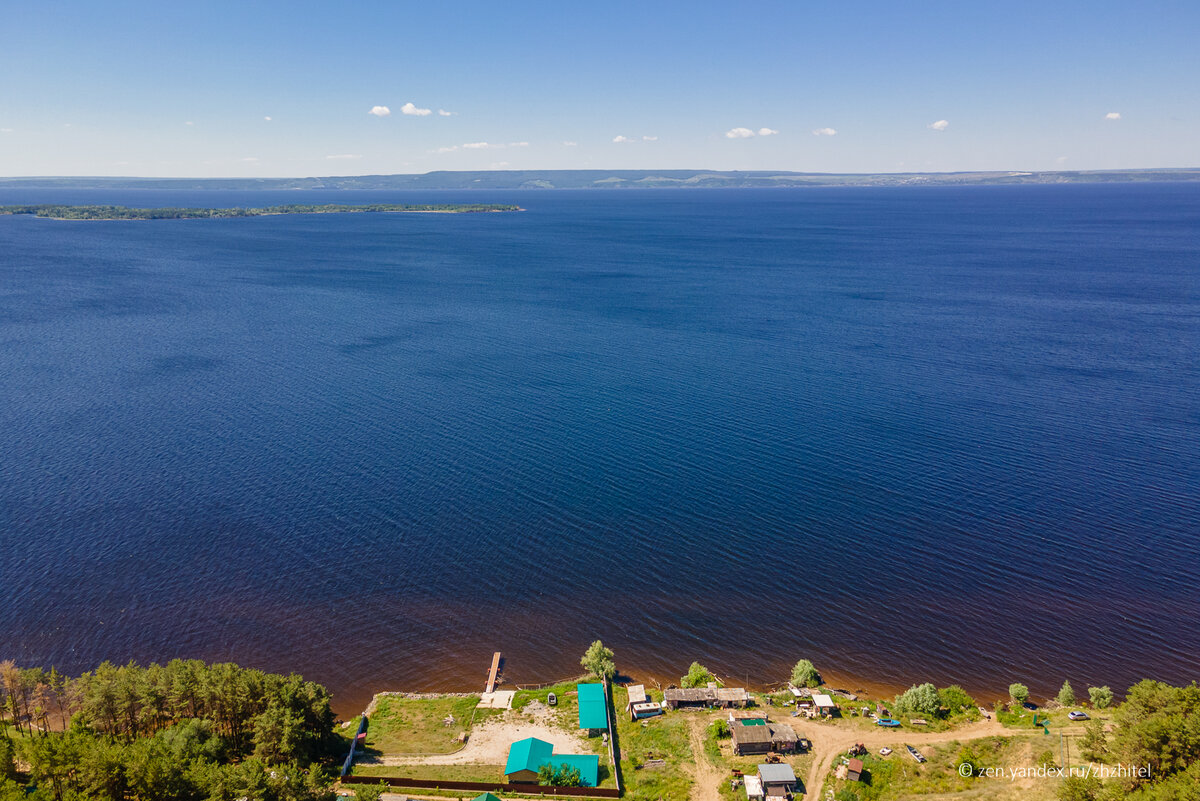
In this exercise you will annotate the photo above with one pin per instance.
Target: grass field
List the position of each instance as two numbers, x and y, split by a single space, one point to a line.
402 725
663 737
898 777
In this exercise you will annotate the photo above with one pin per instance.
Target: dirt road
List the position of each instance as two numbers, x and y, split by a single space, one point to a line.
707 777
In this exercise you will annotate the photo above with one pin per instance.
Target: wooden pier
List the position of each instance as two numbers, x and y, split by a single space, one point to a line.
493 674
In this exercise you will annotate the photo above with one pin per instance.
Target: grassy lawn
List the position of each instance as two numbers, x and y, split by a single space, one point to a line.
1023 718
566 693
416 725
897 776
664 737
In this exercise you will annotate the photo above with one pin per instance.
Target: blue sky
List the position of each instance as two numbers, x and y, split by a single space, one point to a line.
286 89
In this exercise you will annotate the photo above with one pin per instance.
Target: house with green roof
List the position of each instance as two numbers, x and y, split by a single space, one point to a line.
593 708
526 756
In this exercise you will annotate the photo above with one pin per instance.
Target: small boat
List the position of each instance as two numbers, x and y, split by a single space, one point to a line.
885 751
914 753
552 699
891 723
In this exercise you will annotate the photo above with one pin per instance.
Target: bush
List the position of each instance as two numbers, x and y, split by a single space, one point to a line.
968 757
369 792
955 698
805 675
920 699
1079 788
698 676
1066 695
1018 692
719 729
1046 759
1102 697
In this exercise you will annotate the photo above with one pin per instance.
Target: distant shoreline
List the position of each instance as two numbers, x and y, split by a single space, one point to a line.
610 179
99 212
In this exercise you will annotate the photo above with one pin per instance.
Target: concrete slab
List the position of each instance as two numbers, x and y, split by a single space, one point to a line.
497 699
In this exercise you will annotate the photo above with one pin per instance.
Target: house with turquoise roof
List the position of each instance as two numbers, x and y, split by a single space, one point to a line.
526 757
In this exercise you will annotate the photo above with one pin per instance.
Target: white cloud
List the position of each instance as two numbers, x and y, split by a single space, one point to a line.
940 125
570 144
1061 160
1113 115
251 159
380 111
413 111
498 165
739 133
649 138
6 130
825 132
518 144
268 119
189 122
443 113
479 146
449 149
620 139
343 157
767 131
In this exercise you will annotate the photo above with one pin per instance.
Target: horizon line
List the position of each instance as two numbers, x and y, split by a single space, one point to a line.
1008 172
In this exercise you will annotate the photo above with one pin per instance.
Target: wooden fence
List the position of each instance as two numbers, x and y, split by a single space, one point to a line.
362 727
483 787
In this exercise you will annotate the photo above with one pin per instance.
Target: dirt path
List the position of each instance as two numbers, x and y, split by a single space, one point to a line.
705 775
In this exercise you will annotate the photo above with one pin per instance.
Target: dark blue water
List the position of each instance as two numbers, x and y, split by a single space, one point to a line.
910 433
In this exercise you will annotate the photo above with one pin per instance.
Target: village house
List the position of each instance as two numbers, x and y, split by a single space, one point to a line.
701 697
760 736
526 756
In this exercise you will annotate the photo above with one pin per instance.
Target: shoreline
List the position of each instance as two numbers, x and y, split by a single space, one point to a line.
832 678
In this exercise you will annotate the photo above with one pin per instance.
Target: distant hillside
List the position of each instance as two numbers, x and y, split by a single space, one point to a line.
606 179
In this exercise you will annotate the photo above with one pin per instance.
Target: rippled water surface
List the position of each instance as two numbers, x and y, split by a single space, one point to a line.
945 433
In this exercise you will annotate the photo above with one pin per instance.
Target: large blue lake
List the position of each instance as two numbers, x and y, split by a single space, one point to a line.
910 433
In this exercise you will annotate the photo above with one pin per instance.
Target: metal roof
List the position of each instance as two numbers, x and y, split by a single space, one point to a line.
527 754
776 773
593 707
531 753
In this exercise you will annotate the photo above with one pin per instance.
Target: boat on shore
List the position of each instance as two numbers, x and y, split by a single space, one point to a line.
914 753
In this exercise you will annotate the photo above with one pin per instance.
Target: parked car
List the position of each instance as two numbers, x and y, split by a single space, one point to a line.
1078 714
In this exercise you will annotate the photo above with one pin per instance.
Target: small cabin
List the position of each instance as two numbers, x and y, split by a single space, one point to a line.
854 770
778 779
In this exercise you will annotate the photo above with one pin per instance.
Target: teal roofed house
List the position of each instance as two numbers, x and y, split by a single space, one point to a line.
593 708
526 756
